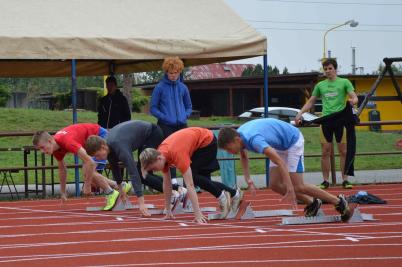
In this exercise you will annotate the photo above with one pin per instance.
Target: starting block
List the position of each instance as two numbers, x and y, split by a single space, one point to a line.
178 208
322 218
245 212
120 205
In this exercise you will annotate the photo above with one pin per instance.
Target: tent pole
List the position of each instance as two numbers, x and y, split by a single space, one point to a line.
266 111
74 104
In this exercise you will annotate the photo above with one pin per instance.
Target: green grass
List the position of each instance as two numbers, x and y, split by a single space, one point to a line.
18 120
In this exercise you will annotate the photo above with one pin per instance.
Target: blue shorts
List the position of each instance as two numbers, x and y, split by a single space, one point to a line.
101 164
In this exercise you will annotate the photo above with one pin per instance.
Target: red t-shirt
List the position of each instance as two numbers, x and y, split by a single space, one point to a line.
73 137
179 147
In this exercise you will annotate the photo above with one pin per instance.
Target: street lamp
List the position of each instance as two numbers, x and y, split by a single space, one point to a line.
351 23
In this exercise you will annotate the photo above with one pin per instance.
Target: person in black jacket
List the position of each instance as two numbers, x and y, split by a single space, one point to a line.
113 107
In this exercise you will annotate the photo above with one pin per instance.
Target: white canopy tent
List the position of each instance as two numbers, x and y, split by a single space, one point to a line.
51 38
39 37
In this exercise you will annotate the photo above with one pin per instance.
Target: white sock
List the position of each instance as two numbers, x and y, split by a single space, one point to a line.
237 194
108 190
174 181
222 196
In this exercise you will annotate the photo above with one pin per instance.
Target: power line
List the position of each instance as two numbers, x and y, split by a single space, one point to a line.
334 3
321 30
321 23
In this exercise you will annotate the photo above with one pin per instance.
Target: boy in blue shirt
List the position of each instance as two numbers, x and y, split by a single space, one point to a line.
283 144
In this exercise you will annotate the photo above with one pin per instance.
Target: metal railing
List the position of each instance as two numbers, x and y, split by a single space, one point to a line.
40 166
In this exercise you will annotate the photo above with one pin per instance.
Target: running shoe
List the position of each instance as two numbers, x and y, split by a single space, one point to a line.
347 185
183 197
224 204
174 200
324 184
236 200
127 187
182 193
343 208
111 200
312 209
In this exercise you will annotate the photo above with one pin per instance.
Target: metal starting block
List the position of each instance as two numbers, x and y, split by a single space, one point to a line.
178 208
245 212
322 218
120 205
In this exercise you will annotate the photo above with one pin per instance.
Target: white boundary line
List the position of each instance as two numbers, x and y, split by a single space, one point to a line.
182 250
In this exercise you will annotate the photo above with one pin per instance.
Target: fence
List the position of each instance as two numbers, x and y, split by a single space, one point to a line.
40 165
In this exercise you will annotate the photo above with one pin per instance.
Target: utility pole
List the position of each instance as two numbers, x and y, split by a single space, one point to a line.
353 60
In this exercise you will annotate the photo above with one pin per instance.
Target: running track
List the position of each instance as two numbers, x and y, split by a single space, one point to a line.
44 233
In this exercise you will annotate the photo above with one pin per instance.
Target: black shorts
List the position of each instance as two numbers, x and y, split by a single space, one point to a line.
329 131
204 161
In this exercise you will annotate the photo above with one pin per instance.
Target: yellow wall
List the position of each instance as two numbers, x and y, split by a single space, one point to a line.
389 110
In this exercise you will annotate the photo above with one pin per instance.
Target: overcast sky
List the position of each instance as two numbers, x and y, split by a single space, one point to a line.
295 31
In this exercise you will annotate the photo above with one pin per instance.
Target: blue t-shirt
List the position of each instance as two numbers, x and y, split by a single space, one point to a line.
262 133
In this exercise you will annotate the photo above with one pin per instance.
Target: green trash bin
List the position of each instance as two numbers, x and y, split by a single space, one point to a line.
227 167
374 115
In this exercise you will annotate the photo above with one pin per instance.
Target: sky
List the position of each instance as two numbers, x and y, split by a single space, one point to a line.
295 32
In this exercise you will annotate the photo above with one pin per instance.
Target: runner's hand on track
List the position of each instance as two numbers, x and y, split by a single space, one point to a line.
290 197
201 219
169 215
123 196
144 210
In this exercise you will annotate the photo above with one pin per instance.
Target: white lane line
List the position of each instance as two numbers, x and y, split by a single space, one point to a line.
23 258
260 231
352 239
117 240
188 263
183 224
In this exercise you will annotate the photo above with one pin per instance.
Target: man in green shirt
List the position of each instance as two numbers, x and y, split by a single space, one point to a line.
334 92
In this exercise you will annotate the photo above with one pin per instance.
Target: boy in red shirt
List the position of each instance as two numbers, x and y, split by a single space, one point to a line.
71 140
193 151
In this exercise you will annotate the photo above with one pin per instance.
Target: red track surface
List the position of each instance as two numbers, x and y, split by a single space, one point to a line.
43 233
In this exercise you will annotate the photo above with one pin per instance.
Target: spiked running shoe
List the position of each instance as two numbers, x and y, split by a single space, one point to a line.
183 197
174 199
127 187
343 208
236 200
224 204
312 209
111 200
347 185
324 184
182 193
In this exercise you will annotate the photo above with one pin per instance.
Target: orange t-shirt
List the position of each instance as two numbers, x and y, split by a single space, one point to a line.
179 147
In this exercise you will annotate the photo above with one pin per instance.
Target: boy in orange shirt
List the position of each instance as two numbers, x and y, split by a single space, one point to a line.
193 151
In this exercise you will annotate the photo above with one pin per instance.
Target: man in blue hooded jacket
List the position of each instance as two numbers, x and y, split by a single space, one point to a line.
170 101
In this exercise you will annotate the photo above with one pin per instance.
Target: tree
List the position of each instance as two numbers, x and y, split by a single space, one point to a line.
396 69
4 95
139 100
275 71
150 77
127 84
258 70
247 72
285 71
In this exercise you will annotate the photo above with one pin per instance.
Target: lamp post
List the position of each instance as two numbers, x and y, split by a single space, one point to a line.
351 23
